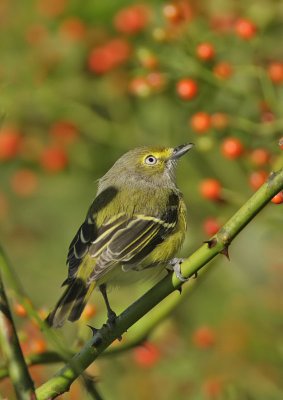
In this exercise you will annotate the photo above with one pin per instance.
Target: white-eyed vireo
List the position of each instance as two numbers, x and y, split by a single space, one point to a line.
136 221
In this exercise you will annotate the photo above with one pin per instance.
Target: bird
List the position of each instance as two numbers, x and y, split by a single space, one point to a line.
136 222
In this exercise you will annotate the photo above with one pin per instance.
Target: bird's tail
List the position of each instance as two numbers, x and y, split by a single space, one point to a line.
72 302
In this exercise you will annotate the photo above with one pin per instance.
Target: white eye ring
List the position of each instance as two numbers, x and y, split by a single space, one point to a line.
150 160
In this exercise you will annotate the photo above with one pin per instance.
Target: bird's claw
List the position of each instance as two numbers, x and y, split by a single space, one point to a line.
175 263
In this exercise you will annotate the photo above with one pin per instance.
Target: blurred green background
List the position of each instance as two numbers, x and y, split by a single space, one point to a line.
82 83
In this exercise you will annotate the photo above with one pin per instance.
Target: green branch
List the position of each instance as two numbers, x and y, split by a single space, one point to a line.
138 333
61 382
17 367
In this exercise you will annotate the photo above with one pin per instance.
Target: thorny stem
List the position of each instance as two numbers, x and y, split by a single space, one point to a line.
17 367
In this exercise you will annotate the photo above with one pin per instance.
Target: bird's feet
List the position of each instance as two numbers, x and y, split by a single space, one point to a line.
175 265
111 318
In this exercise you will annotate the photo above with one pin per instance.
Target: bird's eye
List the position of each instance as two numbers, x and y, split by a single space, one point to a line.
150 160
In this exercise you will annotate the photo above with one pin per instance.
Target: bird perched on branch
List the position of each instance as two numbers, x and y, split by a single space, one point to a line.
137 221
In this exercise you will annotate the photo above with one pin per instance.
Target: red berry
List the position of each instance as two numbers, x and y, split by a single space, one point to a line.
146 355
178 12
156 80
223 70
172 12
222 23
232 148
219 120
260 157
35 34
187 89
205 51
132 20
275 72
51 8
201 122
257 178
212 388
278 198
24 182
245 28
204 337
10 143
64 132
147 59
140 86
38 345
89 312
211 226
73 29
54 159
109 56
19 310
210 189
280 143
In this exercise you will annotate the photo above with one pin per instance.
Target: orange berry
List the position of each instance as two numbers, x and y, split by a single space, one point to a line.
10 143
212 388
112 54
204 337
278 198
147 58
132 19
156 80
187 89
24 182
64 132
232 148
54 159
201 122
43 313
275 72
38 345
51 8
260 157
35 34
210 189
205 51
219 120
19 310
178 12
146 355
140 86
73 29
223 70
211 226
89 312
280 143
222 23
245 29
257 179
172 12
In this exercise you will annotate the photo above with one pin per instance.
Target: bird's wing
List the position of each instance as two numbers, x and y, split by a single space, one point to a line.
120 239
130 240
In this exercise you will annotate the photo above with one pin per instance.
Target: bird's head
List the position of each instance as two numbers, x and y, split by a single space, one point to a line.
151 165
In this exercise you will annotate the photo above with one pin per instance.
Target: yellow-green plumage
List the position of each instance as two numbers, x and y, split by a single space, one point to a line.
137 221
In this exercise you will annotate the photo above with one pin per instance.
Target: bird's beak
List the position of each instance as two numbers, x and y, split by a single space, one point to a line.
179 151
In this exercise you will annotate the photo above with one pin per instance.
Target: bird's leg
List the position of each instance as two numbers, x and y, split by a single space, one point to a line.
175 264
111 315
